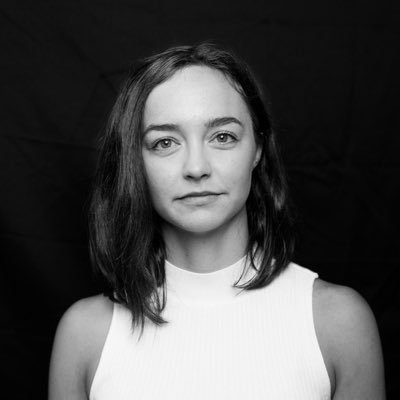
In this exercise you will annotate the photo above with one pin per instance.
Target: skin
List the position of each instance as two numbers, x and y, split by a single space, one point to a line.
199 137
183 153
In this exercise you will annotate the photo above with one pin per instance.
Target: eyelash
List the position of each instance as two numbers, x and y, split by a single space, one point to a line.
233 138
155 146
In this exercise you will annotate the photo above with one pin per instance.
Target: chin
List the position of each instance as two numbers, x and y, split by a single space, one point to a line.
199 227
205 221
204 224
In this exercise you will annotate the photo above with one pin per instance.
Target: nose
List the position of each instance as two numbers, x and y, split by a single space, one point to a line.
196 165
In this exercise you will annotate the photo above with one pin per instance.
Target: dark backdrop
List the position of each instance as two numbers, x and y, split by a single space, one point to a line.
332 70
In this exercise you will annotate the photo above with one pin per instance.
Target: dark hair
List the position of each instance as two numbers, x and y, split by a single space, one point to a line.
126 245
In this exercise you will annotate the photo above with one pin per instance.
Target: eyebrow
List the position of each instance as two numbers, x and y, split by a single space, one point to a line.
216 122
212 123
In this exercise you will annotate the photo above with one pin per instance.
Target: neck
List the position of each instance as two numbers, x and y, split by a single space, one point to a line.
207 252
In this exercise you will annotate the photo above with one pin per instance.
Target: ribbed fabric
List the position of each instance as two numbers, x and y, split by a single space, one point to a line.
219 344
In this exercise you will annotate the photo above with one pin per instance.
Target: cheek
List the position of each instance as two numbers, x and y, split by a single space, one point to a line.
239 173
160 182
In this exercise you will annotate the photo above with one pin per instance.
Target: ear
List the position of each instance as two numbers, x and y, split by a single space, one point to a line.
257 155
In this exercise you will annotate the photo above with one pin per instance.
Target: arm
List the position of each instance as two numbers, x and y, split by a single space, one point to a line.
77 348
350 342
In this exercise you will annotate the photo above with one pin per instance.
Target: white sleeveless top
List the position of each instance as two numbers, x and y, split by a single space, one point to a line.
220 343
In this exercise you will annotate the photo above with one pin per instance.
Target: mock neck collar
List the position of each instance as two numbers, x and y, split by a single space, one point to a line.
215 287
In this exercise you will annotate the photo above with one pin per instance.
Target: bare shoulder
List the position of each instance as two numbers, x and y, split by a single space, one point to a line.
349 339
77 347
342 305
89 313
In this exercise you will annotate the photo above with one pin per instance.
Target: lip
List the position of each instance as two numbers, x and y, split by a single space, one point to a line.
198 194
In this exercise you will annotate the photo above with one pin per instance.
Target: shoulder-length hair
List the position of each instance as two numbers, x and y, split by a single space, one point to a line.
126 244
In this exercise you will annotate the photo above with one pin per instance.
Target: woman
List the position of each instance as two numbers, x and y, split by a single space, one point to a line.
190 229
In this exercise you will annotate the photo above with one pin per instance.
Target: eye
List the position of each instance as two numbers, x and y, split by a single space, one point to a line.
164 144
224 137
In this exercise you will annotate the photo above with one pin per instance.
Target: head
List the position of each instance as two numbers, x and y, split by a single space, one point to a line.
198 138
232 142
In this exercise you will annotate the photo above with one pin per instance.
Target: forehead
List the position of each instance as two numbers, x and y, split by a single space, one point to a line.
195 93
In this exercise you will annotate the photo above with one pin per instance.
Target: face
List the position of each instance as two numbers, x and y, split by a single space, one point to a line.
199 150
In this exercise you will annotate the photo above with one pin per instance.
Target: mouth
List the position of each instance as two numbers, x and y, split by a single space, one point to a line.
198 194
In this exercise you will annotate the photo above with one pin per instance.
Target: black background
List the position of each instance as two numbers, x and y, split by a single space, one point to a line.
332 70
